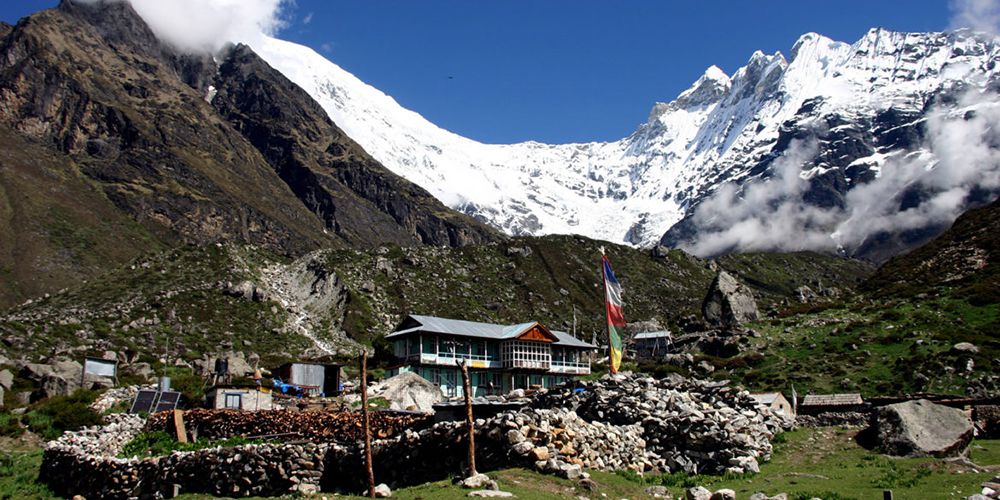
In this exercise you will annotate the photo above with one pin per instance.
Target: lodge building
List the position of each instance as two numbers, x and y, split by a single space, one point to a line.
500 358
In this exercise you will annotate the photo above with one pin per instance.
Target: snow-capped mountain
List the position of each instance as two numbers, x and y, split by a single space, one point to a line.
723 128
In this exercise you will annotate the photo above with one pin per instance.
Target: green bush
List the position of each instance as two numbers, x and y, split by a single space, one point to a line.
184 381
51 417
9 425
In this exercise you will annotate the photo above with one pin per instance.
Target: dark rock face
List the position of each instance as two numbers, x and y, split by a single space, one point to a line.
729 303
354 196
132 124
921 428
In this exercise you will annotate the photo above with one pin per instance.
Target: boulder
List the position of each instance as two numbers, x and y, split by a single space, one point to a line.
479 481
383 491
6 379
729 302
238 364
965 348
698 493
922 428
491 494
409 391
59 377
724 494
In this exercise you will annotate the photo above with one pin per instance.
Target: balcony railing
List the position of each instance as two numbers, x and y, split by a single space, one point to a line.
571 367
531 364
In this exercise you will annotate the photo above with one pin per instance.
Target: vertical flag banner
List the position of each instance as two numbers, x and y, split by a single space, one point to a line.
616 321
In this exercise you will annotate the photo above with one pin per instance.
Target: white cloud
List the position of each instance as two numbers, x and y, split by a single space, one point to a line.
980 15
960 154
208 25
308 19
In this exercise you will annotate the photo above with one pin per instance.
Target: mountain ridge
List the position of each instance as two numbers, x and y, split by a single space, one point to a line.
134 123
867 98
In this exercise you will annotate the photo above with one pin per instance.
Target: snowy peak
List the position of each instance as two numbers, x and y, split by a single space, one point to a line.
706 90
723 128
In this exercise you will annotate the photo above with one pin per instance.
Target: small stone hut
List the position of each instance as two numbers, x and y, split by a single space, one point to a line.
776 402
240 398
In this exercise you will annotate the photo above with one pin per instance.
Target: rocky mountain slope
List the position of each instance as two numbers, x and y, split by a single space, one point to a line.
157 149
207 299
842 114
964 258
926 321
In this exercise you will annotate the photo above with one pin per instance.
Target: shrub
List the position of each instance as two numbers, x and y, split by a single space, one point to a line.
9 425
51 417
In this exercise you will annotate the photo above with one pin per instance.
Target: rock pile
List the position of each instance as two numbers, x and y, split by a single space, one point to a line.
559 441
101 441
111 397
688 425
408 391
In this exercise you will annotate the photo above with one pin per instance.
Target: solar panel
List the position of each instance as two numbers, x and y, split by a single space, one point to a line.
144 402
168 401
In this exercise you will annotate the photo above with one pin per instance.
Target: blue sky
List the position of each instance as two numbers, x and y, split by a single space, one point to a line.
560 70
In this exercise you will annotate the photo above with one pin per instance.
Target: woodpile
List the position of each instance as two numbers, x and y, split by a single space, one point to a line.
318 426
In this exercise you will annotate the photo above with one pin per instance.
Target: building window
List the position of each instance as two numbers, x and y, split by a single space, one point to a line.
234 401
429 344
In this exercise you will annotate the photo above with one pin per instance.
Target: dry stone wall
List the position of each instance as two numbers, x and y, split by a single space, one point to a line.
620 422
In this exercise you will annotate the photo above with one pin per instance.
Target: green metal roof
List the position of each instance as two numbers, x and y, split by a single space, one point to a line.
461 328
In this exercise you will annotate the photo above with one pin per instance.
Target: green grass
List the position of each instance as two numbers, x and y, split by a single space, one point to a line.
19 475
872 347
828 463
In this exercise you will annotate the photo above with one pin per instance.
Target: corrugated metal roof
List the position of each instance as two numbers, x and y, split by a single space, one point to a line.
766 398
652 335
571 341
464 328
832 400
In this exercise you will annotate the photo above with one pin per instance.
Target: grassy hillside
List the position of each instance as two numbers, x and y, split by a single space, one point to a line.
897 336
876 347
185 295
56 226
176 296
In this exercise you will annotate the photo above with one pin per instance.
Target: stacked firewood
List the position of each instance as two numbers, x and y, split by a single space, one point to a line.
315 426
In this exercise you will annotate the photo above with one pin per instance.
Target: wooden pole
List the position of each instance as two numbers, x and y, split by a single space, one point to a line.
469 420
365 423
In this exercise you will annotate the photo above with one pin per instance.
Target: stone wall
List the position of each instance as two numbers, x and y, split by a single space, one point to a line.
620 422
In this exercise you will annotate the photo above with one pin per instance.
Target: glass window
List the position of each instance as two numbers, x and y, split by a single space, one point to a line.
430 344
234 401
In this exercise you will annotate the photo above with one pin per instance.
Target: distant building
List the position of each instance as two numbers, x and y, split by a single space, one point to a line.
240 398
814 404
501 358
776 402
650 345
315 379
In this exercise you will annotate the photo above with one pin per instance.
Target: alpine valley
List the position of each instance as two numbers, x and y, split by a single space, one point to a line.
817 223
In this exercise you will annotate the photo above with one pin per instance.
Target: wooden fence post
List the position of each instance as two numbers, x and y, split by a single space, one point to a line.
469 420
365 424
